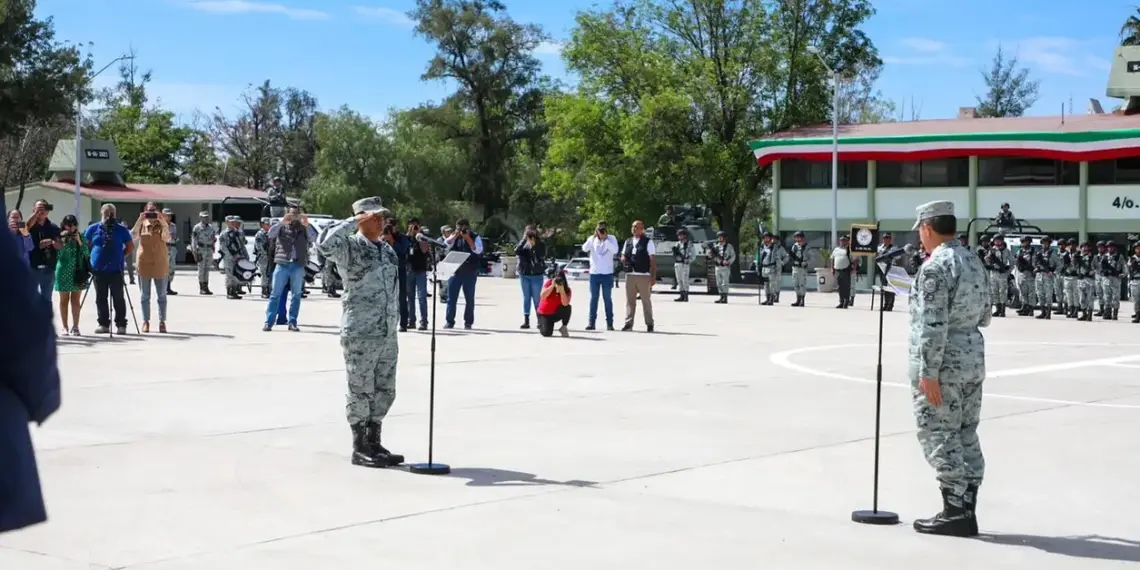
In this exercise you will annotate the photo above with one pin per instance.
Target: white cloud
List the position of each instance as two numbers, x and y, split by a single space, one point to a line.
925 51
244 7
548 48
925 45
1058 55
386 15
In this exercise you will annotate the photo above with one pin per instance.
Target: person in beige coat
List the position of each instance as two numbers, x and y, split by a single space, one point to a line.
152 234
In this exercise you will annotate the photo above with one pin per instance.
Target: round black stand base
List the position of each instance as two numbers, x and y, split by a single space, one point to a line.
441 469
875 517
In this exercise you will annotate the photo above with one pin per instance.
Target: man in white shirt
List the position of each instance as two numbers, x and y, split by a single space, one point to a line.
601 248
843 267
641 273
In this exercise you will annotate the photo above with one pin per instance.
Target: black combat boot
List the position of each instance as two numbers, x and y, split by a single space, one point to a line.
331 292
997 311
1099 312
951 521
526 322
724 298
767 301
265 293
362 453
237 293
680 298
1107 314
1115 313
799 301
204 289
378 450
1136 316
1045 312
970 502
685 297
170 291
1000 311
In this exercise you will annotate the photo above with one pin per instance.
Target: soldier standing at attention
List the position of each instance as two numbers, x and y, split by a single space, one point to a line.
368 325
768 261
723 254
1068 294
781 261
1045 264
886 244
1023 278
799 268
171 249
1112 265
1083 272
843 266
202 238
1000 263
263 257
1134 281
232 249
683 254
1101 251
950 302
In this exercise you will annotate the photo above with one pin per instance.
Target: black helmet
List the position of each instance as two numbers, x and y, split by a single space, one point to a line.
1136 245
1101 243
1110 243
984 239
721 234
1025 239
767 234
961 236
1005 204
798 234
887 235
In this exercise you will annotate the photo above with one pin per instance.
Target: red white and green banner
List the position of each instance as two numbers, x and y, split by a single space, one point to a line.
1074 147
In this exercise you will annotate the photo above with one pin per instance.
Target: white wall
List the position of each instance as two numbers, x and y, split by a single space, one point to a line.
64 203
1101 199
900 203
1032 203
816 204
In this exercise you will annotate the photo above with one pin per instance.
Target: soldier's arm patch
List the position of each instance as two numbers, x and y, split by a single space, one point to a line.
930 285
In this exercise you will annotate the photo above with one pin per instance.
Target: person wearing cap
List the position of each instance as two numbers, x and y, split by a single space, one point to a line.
1101 251
1085 276
683 254
1069 294
1046 262
949 304
886 244
843 267
276 198
798 256
964 240
232 247
722 255
369 324
171 248
1133 274
289 241
1112 266
999 261
770 260
263 257
202 238
1023 277
1005 217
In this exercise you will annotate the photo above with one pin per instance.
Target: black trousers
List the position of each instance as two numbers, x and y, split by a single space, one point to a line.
546 323
888 296
110 284
844 281
402 278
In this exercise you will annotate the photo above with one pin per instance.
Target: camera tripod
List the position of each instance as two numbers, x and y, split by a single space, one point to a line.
126 294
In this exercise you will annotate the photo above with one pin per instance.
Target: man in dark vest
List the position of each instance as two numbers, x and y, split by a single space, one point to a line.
637 255
467 241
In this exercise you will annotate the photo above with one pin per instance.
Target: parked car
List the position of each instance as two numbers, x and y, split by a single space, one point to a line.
578 269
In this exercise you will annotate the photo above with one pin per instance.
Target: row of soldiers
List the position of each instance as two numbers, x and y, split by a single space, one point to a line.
1068 280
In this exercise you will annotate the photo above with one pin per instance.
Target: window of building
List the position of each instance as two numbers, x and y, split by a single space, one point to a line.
1102 172
1026 171
1127 171
795 174
926 173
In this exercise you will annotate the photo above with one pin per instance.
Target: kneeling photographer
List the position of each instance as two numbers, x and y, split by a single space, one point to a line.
554 304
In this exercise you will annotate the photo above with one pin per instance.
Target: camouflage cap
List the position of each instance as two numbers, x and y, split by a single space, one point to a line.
370 205
932 210
233 218
266 220
445 228
168 211
798 234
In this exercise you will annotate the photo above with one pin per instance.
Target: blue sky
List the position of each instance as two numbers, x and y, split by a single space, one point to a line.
363 53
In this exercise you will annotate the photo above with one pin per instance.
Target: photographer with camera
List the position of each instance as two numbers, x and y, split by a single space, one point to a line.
289 242
554 304
46 242
110 243
531 256
20 235
152 233
417 274
72 273
601 247
466 241
403 246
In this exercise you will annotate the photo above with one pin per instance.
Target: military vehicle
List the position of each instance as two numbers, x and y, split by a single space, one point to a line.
695 220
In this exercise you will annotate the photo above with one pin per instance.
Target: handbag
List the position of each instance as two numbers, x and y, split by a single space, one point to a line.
82 268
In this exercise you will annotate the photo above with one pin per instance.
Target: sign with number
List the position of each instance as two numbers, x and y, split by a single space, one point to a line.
1118 202
97 153
1133 66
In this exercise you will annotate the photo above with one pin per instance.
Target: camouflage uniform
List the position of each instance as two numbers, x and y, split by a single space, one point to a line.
1085 278
172 252
1113 265
772 256
202 238
330 278
683 254
724 254
232 249
1023 278
1069 280
1101 251
949 303
1134 281
263 257
799 270
1045 264
369 323
1000 262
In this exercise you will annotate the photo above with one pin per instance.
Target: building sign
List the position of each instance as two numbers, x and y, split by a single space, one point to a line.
97 153
1133 67
1115 202
1124 203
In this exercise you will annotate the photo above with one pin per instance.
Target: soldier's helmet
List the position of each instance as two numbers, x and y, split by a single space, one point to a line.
1026 239
1136 245
1046 239
1110 243
766 234
1086 245
1005 204
722 234
984 239
887 235
1101 243
798 234
961 236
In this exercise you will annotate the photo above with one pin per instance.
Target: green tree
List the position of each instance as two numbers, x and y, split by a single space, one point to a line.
40 78
252 142
490 57
199 159
1130 30
148 139
1009 90
352 161
298 138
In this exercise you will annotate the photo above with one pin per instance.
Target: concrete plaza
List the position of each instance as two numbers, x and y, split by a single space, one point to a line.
735 435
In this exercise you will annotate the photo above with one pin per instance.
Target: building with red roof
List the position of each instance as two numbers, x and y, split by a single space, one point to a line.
1072 175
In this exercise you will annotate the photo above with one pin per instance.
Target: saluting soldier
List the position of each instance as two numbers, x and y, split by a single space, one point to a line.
799 268
683 254
202 238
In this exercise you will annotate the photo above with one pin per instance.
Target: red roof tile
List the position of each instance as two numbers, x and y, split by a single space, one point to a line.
1071 123
161 192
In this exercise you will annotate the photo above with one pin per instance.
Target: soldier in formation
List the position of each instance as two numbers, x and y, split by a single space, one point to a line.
232 249
770 261
1112 268
330 279
1085 276
202 238
798 256
369 324
1023 277
1133 270
983 248
1046 262
683 254
999 262
263 257
171 249
722 254
950 302
1068 294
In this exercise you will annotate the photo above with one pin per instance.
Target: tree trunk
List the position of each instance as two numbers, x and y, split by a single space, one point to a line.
20 196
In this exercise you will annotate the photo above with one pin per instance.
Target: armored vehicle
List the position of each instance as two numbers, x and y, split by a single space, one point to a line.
695 221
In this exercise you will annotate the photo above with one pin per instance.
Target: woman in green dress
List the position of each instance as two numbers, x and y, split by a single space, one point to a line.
72 254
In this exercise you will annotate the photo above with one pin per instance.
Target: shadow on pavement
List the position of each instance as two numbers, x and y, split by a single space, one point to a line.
1088 546
487 477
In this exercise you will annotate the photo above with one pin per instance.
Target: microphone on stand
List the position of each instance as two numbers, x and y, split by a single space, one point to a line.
890 254
432 242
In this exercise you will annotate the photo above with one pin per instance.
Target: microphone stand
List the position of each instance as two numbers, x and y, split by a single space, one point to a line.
875 516
431 467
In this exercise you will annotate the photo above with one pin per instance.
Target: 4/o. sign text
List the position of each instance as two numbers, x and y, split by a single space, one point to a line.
1124 203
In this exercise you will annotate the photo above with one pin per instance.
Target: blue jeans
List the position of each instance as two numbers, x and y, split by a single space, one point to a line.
461 282
144 297
603 284
417 294
532 290
291 275
44 279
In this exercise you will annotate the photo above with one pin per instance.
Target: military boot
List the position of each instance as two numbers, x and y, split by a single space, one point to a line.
799 301
1107 314
1074 313
1099 312
1001 310
204 289
265 293
361 452
997 311
1136 316
378 449
767 302
951 521
1115 313
680 298
1044 313
970 502
724 299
